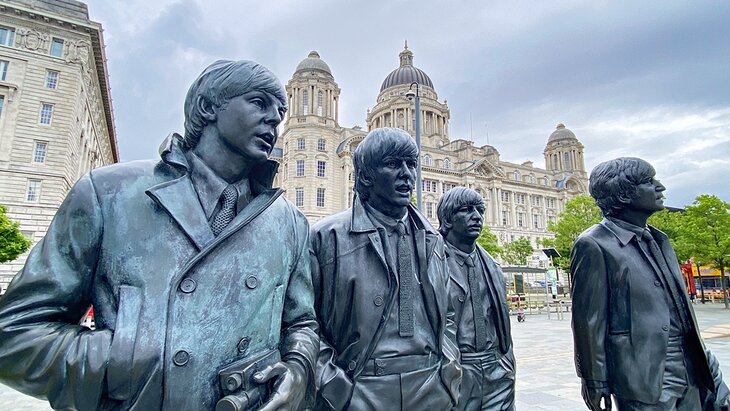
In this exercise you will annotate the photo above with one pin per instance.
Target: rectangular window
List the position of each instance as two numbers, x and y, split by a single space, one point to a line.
46 113
39 152
2 105
429 210
550 202
505 217
51 79
57 47
519 198
33 191
320 197
300 197
7 36
446 187
321 165
536 220
301 144
4 69
321 144
505 196
535 201
520 219
300 168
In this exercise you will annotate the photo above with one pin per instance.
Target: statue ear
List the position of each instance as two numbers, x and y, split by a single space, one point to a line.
624 199
365 179
447 224
206 109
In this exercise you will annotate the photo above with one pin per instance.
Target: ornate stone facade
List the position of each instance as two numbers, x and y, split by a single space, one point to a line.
520 198
56 119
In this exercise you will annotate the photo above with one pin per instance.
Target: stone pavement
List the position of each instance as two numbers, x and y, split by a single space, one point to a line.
546 377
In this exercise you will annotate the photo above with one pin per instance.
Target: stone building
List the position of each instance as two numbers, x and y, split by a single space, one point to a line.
315 152
56 119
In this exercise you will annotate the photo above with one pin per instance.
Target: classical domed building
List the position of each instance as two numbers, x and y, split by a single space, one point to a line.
315 153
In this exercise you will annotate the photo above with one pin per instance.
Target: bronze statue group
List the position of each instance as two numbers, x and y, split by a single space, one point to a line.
211 291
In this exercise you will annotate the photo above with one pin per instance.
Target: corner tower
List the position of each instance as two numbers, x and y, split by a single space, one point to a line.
564 153
310 170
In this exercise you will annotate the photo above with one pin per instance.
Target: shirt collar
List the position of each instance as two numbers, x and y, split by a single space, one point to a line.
385 222
459 255
210 186
628 228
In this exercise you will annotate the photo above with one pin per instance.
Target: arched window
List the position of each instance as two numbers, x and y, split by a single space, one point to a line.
517 176
320 100
427 160
567 162
447 163
532 179
305 101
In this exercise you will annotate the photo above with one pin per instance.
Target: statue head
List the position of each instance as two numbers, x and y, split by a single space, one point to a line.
219 83
385 169
626 184
461 213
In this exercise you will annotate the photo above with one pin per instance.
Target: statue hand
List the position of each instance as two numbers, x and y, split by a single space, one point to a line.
592 397
289 388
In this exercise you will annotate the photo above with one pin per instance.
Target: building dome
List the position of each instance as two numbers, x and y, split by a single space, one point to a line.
406 73
561 133
313 62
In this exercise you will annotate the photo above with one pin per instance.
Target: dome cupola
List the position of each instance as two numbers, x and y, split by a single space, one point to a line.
313 63
407 73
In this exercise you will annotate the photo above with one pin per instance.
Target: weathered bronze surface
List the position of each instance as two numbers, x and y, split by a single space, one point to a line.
635 333
184 283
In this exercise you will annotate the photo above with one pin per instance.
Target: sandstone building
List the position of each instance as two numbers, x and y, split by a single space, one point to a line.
315 153
56 119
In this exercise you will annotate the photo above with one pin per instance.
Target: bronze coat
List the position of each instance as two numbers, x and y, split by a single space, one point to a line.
352 292
129 239
621 313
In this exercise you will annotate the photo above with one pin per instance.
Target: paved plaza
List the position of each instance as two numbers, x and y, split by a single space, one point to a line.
546 377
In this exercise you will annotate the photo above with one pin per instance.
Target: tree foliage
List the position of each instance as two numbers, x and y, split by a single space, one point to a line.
517 252
489 242
12 241
706 230
580 213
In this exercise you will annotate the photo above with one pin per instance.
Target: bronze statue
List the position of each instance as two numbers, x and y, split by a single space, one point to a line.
381 292
197 269
479 297
634 329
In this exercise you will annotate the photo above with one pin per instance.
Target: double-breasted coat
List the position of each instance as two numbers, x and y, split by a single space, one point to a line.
621 315
173 304
353 291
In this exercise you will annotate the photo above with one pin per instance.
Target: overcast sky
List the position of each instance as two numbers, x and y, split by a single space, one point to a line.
649 79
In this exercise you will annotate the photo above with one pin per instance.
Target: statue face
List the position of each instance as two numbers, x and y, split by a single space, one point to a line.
247 124
467 221
393 182
649 197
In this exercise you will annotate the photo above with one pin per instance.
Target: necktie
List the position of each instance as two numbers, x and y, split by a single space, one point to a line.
670 280
227 210
480 325
406 277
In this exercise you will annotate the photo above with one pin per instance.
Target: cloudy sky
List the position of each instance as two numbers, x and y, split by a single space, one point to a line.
631 78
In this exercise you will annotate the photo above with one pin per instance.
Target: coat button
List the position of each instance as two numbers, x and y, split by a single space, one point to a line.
243 344
462 298
181 358
187 285
378 301
665 327
657 283
252 282
352 365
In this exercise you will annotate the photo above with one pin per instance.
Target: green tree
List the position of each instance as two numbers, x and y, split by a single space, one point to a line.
517 252
12 241
580 213
705 232
489 242
673 225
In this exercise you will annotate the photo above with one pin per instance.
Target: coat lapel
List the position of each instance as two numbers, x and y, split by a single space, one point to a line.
493 283
179 199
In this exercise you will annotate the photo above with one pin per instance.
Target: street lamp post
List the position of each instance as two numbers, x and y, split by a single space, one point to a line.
410 94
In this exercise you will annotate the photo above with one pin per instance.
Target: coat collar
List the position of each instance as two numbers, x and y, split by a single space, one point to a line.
361 222
180 200
624 235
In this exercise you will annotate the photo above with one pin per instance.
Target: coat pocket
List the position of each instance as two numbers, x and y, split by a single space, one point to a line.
121 352
277 310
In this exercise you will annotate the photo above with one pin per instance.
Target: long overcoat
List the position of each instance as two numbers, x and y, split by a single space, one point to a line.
621 313
354 289
173 304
